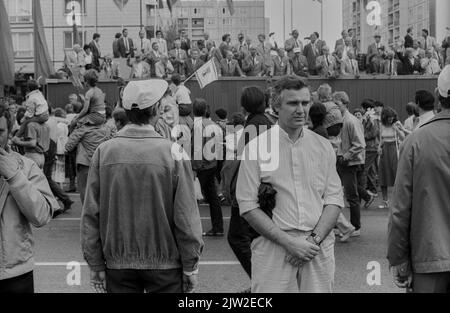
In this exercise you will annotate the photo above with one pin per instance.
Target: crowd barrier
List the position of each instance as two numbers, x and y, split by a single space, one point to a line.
395 92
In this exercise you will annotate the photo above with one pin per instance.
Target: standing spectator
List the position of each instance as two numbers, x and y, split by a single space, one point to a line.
162 43
293 43
178 57
317 114
164 68
96 51
355 45
342 52
143 45
212 53
88 57
225 46
153 57
428 41
280 65
425 104
242 48
312 52
351 159
185 42
418 229
169 232
75 60
391 136
253 64
206 169
222 114
182 96
430 65
409 38
139 68
412 121
126 45
446 49
326 64
265 49
26 201
341 42
375 55
116 48
120 118
194 63
292 255
349 66
229 67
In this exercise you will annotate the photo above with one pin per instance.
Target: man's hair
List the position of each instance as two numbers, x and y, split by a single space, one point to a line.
341 96
222 114
155 44
141 117
199 107
108 112
32 85
124 30
426 31
237 119
96 35
445 102
224 37
425 100
176 79
290 82
4 112
411 109
378 104
253 100
159 32
118 35
58 112
69 108
119 115
91 78
368 104
317 35
325 92
410 29
85 47
317 113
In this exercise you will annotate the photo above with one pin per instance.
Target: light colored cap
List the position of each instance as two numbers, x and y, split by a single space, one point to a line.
444 82
144 94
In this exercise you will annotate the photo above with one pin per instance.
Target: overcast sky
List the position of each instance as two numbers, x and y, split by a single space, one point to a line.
306 18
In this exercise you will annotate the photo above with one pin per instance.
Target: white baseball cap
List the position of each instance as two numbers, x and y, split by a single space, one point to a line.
143 94
444 82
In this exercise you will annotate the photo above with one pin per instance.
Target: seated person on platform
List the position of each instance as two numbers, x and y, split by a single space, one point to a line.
299 63
349 65
41 114
326 64
280 64
253 64
391 65
139 68
164 68
94 109
229 67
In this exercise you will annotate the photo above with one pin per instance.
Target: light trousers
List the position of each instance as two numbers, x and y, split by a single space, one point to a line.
271 273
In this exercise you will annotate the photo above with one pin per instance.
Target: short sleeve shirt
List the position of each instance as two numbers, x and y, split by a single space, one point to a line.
40 133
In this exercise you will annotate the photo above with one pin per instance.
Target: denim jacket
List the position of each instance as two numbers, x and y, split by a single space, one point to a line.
140 210
25 200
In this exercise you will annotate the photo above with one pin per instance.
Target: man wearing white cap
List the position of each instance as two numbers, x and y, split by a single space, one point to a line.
419 228
140 227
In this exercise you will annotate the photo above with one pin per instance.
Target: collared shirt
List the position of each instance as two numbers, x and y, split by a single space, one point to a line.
353 143
305 178
38 99
425 118
182 95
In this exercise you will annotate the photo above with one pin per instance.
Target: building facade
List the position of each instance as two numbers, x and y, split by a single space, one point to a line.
106 18
396 17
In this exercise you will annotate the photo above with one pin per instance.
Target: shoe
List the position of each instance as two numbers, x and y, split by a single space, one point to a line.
68 206
370 201
384 206
356 233
213 234
345 237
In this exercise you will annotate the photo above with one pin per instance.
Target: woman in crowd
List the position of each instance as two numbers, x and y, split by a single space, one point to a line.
391 137
413 118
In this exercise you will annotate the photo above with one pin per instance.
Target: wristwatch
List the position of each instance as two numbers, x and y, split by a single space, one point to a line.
317 239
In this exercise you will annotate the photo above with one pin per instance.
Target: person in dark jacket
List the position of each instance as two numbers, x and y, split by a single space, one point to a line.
419 227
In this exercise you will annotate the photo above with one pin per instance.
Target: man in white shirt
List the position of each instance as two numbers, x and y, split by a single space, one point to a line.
425 103
143 44
295 252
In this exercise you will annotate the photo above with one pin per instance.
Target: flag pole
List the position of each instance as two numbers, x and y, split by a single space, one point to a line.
321 19
284 19
189 78
292 15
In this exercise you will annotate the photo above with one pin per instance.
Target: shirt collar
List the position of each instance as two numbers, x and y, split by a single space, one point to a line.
426 118
138 131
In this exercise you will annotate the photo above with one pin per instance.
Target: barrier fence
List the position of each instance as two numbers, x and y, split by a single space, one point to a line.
225 93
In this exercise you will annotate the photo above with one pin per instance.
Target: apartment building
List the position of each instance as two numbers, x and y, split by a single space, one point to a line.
396 17
106 18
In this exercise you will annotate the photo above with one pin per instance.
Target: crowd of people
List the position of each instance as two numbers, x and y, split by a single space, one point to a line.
263 57
136 163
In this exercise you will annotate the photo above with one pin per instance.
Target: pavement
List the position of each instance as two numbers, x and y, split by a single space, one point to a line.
58 244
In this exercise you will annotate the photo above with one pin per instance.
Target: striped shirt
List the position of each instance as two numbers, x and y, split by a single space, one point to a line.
305 179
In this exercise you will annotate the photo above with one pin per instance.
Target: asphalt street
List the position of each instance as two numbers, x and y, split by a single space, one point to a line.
58 244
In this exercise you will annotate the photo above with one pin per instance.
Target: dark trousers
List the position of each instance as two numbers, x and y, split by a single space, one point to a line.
240 241
144 281
352 179
370 171
18 285
207 182
431 283
48 169
82 176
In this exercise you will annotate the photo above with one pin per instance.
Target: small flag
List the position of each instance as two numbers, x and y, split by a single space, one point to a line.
207 74
231 6
121 4
170 4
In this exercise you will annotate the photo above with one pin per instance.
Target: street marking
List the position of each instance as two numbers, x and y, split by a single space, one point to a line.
79 219
205 263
